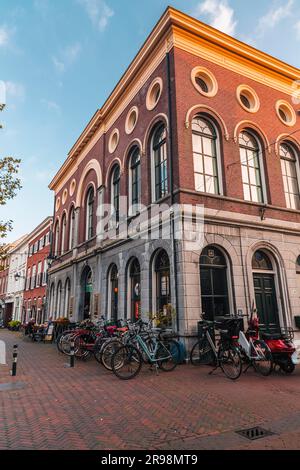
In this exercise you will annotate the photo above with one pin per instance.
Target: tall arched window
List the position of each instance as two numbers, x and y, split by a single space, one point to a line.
134 289
113 292
89 214
58 312
115 192
51 301
67 298
162 275
159 163
214 285
134 180
72 229
205 156
251 167
56 241
289 168
63 233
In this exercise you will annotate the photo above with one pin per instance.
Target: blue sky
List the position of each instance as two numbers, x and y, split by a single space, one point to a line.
61 58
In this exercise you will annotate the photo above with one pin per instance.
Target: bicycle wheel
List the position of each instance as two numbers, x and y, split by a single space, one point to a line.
202 353
264 364
126 362
173 346
166 356
65 344
98 347
107 351
230 361
80 349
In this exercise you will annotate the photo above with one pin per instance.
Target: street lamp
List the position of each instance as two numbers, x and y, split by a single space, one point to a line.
50 259
18 276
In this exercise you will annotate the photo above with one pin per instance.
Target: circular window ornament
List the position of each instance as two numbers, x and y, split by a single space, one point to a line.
131 120
154 93
286 113
64 196
248 98
204 81
72 187
57 204
113 141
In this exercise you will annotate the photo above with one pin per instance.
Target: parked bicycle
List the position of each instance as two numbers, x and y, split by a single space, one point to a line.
143 345
225 354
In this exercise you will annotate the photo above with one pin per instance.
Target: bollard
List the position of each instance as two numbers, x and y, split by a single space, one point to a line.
72 354
15 358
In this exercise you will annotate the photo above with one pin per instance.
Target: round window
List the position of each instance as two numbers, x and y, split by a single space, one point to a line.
286 113
64 196
204 81
248 98
131 120
72 187
113 141
154 93
57 205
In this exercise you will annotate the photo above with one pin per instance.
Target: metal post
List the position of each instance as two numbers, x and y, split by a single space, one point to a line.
72 354
14 363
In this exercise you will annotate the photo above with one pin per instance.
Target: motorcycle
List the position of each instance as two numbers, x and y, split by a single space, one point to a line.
283 351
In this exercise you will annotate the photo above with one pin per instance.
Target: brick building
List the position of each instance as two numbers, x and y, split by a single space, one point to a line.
198 118
4 269
35 289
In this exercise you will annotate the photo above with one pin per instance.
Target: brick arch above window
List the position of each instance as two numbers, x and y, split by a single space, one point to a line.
112 165
161 117
203 109
127 153
252 126
286 139
92 165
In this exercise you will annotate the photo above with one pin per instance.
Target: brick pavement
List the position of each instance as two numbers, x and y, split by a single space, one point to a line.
88 408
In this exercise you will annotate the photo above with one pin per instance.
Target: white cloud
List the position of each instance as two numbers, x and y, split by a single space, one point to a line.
5 35
98 11
275 14
14 89
66 57
51 105
220 14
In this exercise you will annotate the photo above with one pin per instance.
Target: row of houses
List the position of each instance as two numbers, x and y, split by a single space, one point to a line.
199 119
23 276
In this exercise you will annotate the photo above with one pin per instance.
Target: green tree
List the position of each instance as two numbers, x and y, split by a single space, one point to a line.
9 185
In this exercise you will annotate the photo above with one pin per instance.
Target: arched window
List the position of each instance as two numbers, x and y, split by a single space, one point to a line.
63 233
67 298
162 275
159 163
214 285
58 312
251 167
89 222
115 192
51 301
206 171
72 229
289 168
56 241
134 180
134 289
113 292
261 261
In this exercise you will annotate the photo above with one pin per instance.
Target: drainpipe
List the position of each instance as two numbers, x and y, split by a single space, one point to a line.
171 140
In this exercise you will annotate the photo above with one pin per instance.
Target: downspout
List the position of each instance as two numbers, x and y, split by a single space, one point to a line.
171 140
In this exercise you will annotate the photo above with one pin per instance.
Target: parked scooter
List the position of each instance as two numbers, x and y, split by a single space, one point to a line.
283 351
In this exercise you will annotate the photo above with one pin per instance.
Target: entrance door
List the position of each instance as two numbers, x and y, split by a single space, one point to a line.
266 301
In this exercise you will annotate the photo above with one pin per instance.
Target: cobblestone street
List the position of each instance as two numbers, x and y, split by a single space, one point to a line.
54 407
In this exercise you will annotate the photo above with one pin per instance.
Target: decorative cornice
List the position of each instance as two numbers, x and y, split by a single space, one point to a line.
176 29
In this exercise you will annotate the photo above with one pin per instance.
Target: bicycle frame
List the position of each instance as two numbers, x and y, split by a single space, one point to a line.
151 354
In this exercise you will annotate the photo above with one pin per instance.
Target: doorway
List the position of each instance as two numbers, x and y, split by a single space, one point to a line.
265 292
